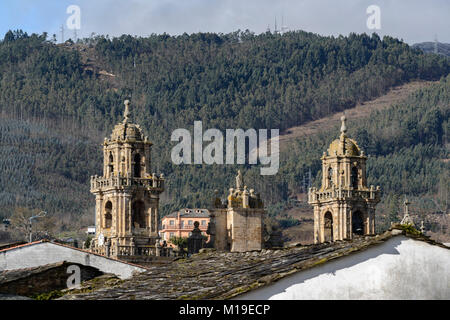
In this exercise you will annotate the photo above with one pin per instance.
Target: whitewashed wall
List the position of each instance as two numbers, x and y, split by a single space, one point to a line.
39 254
400 268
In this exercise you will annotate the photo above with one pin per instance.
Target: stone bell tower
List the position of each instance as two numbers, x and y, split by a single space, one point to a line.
127 194
344 206
238 225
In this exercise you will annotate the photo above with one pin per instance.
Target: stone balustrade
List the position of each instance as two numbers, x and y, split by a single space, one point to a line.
182 227
314 195
142 250
98 183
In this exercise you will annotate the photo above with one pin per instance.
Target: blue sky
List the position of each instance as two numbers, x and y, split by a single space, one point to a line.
411 20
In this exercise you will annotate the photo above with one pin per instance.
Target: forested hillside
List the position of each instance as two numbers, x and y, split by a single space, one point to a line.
57 102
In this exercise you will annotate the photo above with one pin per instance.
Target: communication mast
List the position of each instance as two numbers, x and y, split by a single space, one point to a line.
284 28
62 33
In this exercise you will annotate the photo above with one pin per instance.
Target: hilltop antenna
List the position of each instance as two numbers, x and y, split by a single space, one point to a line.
283 27
75 34
275 31
62 33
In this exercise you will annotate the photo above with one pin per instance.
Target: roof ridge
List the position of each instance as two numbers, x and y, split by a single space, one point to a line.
24 245
100 255
419 236
70 247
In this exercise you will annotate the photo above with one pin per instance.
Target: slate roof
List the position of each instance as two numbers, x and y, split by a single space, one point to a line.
223 275
12 275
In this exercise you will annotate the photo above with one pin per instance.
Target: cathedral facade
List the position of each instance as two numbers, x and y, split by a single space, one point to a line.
127 194
344 206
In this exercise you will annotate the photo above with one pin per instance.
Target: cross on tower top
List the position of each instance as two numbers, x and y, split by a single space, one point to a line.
406 203
126 113
343 126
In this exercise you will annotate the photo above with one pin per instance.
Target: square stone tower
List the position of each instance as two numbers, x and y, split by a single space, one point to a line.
238 226
127 195
344 206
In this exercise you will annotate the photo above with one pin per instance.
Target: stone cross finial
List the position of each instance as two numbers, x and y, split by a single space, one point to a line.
406 203
343 126
126 113
406 217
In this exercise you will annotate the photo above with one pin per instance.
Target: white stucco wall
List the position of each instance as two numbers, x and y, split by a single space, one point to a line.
400 268
39 254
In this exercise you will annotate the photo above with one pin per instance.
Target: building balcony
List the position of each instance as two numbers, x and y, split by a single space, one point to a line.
177 227
343 194
121 252
153 183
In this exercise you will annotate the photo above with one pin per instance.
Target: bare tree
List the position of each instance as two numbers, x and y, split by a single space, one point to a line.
25 227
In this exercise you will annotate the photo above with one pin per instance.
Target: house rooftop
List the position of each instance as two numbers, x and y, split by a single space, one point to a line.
224 275
189 213
29 244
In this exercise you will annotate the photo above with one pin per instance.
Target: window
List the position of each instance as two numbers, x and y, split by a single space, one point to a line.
358 223
203 222
171 235
190 222
137 165
354 178
108 215
138 214
330 177
111 164
172 222
328 226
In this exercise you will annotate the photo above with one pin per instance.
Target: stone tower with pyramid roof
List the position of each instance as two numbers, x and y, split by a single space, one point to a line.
127 194
344 206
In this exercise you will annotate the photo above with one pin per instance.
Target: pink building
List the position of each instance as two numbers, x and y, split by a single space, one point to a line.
180 223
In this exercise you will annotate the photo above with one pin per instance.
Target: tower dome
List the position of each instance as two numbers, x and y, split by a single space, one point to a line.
126 131
344 146
350 148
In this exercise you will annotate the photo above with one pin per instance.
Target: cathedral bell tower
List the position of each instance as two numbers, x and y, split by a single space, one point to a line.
344 206
127 195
